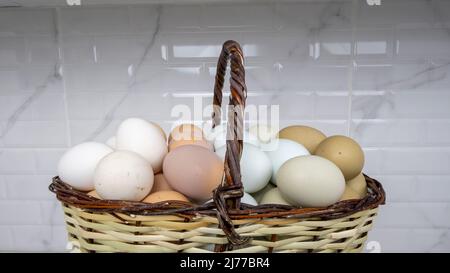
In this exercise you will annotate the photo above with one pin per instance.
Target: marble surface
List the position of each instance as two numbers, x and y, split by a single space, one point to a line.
377 73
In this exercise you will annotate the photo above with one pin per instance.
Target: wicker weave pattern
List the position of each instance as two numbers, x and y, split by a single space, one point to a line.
122 233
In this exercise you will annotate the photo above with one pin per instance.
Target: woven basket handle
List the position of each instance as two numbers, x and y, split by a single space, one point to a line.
228 194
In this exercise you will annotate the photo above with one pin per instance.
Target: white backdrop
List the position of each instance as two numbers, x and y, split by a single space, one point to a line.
377 73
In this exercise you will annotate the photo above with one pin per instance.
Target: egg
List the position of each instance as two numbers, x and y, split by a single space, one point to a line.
260 194
359 185
348 194
248 199
94 194
284 149
344 152
160 183
186 132
274 196
111 142
193 171
161 196
201 142
310 181
77 165
161 130
143 138
123 175
305 135
256 168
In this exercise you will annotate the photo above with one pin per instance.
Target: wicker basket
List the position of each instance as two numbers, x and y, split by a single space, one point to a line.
223 225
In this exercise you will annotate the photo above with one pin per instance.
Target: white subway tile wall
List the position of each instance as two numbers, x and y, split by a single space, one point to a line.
380 74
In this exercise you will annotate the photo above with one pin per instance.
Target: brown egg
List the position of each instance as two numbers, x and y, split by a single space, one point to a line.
94 194
193 171
202 142
345 153
161 196
307 136
358 184
160 184
349 193
186 132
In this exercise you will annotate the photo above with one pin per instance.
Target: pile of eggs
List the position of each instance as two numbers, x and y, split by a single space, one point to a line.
297 166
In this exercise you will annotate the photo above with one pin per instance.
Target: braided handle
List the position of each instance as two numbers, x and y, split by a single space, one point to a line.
228 194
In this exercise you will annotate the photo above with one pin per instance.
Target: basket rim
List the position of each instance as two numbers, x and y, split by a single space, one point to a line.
68 195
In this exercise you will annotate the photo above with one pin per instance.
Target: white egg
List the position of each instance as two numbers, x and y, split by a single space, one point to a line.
310 181
248 199
256 168
123 175
283 150
111 142
274 196
144 138
77 165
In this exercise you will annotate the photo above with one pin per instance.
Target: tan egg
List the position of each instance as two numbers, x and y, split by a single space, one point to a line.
193 171
201 142
359 185
274 197
307 136
162 196
94 194
160 128
186 132
345 153
349 193
160 184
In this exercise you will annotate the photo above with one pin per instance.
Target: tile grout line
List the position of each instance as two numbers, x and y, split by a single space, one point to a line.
57 22
351 67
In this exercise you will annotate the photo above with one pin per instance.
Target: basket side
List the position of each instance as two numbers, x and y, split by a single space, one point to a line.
106 232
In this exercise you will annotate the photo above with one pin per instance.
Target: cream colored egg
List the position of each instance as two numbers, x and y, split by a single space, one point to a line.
260 194
77 165
123 175
274 197
143 138
310 181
